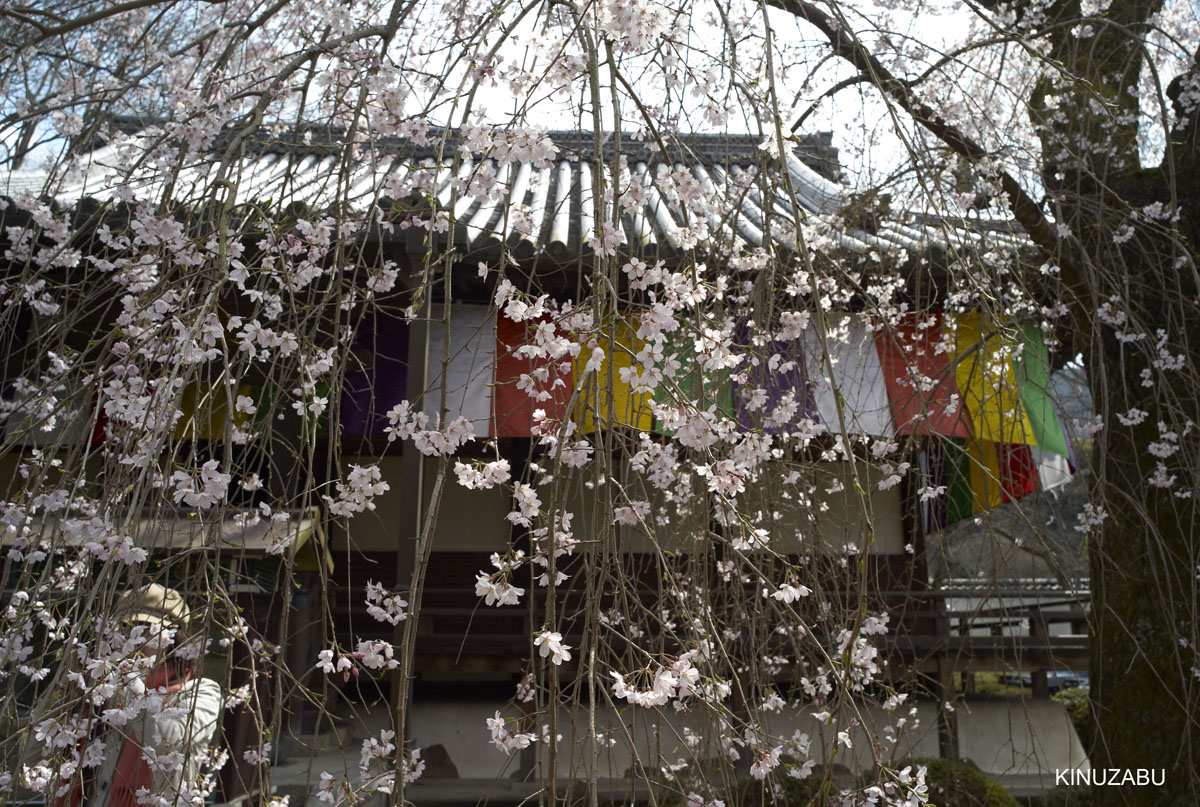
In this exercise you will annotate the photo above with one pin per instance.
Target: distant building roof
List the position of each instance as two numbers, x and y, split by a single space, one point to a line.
726 182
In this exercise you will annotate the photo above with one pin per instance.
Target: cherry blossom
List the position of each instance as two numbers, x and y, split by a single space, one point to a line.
384 605
508 739
551 644
203 490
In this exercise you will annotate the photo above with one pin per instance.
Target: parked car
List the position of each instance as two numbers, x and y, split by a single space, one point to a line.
1056 680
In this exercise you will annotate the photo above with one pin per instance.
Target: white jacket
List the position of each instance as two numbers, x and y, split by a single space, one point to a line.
186 726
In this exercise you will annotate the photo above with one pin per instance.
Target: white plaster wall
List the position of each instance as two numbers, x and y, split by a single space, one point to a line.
376 530
1004 737
468 520
825 522
1023 737
462 728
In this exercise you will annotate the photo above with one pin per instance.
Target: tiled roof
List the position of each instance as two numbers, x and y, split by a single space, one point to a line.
550 206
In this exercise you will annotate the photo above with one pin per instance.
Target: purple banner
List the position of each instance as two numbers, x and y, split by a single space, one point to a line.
378 378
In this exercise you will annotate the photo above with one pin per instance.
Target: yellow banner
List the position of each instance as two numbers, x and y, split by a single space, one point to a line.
988 383
628 408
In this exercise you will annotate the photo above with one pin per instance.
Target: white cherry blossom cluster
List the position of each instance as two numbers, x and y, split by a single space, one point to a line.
376 655
550 643
563 543
358 493
133 404
201 490
632 513
788 593
864 661
407 424
526 503
765 761
496 588
482 475
655 686
377 757
506 736
258 341
384 605
330 662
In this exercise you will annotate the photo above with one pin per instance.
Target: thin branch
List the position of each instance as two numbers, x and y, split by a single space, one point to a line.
1027 211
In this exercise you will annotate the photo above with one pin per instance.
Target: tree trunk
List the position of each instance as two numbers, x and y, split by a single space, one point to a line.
1144 568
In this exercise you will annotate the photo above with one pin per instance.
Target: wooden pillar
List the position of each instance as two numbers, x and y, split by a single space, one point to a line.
968 677
412 478
1037 678
947 718
301 647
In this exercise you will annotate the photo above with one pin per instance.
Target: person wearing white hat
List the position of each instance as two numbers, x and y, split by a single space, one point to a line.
157 753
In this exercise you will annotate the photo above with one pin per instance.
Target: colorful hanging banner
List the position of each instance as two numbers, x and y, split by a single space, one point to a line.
950 465
853 372
985 475
1018 471
609 387
472 357
525 382
1005 379
988 382
771 390
919 379
980 475
1053 470
946 376
1032 368
377 379
205 409
702 388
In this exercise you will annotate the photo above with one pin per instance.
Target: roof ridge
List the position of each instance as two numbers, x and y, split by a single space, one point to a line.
815 149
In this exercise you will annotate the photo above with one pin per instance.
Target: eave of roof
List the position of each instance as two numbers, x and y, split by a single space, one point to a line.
548 208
